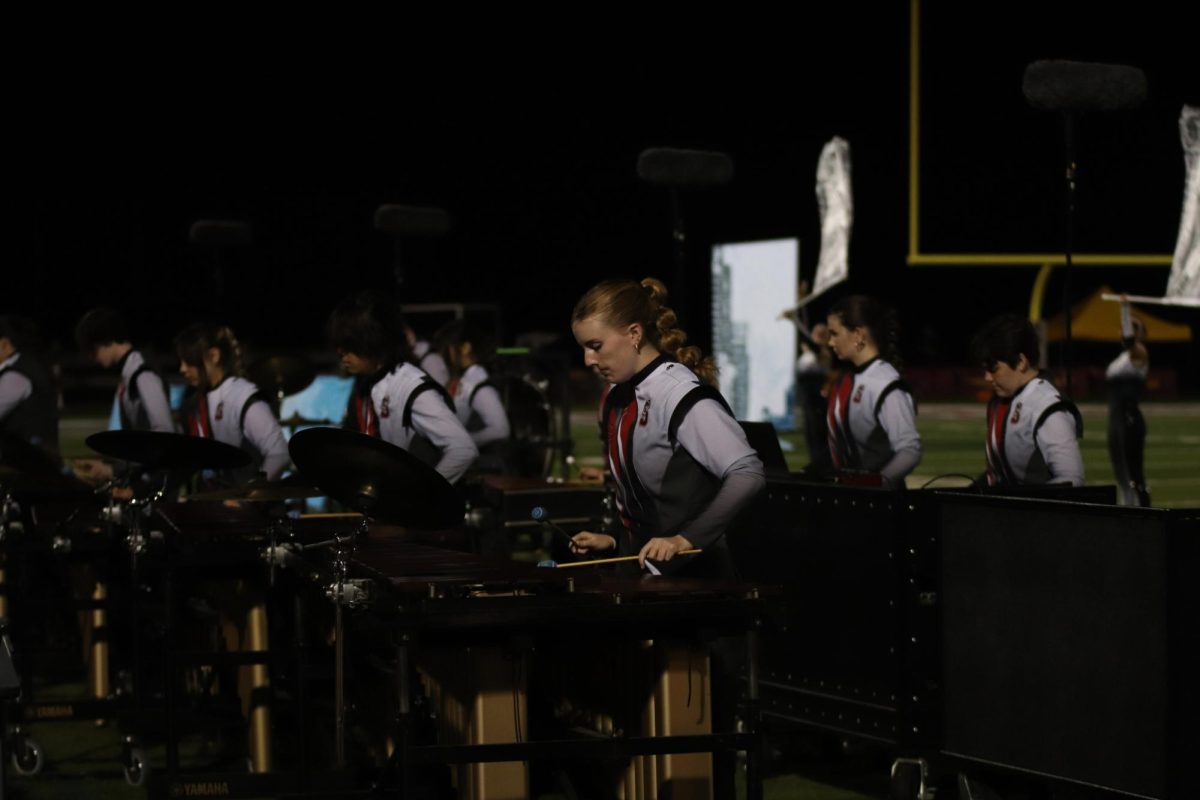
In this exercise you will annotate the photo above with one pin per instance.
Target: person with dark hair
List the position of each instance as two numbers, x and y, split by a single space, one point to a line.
1126 377
141 400
28 401
870 413
427 357
682 465
467 349
392 399
225 406
1032 430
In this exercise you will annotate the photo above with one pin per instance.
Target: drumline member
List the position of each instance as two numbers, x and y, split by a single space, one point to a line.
476 400
1126 377
28 400
224 405
871 415
681 463
393 399
427 357
141 397
1032 430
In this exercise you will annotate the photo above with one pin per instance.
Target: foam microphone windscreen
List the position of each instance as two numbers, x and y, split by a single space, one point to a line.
412 220
667 166
1083 86
220 233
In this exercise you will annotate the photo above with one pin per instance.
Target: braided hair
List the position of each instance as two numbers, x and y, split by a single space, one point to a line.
620 303
194 341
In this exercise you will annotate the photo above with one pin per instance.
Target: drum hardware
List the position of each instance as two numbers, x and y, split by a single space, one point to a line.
261 492
174 453
479 517
382 482
345 593
10 519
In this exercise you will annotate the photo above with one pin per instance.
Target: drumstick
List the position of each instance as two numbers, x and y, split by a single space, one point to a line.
617 559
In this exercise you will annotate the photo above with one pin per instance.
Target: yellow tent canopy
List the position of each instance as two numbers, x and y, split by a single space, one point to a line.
1099 320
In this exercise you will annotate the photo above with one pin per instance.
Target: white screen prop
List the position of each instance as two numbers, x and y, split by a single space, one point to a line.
755 349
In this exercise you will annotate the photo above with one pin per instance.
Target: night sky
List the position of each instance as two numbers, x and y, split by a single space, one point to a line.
535 163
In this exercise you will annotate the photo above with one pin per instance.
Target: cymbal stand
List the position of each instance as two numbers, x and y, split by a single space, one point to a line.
345 593
138 542
10 525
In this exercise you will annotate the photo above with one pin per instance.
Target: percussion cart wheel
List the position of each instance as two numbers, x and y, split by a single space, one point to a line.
28 758
908 780
135 763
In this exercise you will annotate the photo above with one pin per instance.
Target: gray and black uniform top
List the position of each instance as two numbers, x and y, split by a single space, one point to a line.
872 423
236 413
407 408
142 396
680 460
432 362
1032 438
28 403
479 407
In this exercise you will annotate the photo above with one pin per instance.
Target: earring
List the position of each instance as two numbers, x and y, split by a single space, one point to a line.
637 347
859 345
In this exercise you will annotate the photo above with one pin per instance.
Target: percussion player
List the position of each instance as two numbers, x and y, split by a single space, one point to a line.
427 357
1126 378
103 337
476 400
681 462
1032 430
28 401
225 406
393 399
871 417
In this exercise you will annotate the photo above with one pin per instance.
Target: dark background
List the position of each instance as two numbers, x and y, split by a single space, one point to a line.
534 158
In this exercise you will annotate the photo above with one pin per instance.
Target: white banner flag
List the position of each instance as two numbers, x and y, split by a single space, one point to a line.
836 205
1184 281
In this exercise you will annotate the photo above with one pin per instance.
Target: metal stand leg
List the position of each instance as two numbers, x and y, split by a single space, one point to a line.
404 718
98 677
754 754
260 685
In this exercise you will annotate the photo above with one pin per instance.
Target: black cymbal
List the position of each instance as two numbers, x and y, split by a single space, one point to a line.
287 374
375 478
171 451
22 456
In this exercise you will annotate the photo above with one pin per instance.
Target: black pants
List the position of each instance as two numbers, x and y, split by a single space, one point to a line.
1127 444
815 435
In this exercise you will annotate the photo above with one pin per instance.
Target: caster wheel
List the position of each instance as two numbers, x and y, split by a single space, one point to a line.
908 780
28 758
137 769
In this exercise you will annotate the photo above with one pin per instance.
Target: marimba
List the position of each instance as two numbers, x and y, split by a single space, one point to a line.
608 667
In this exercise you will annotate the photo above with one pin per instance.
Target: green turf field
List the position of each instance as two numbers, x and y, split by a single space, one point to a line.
952 439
